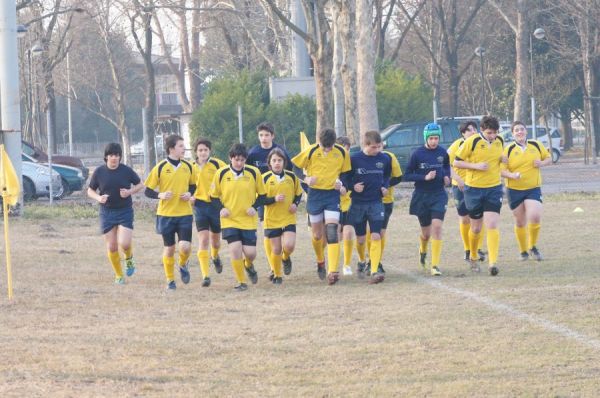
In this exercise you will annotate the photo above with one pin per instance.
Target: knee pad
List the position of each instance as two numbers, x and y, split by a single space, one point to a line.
331 233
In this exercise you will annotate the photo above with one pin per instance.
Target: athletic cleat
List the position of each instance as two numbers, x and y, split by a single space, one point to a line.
171 285
184 272
481 255
494 270
129 266
524 256
218 264
333 277
278 280
206 282
347 270
252 274
321 271
435 271
271 276
380 269
474 263
423 260
241 287
467 255
376 278
535 253
368 268
119 280
287 266
360 269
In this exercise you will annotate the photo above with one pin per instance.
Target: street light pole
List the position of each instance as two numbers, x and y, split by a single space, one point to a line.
539 34
480 51
69 107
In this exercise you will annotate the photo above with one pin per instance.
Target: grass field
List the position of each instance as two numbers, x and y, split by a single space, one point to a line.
532 331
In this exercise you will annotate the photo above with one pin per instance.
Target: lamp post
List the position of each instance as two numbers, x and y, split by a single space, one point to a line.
70 118
480 51
539 34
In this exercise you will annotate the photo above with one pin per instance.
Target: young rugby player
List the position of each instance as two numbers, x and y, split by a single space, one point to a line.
208 222
283 194
347 229
237 191
112 185
522 162
429 168
173 182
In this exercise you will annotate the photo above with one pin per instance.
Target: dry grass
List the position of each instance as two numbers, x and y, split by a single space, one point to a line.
71 332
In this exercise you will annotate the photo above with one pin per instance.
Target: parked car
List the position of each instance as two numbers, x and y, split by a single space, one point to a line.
37 179
71 178
40 156
542 136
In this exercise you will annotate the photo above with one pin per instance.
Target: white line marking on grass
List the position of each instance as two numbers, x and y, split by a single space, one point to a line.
508 310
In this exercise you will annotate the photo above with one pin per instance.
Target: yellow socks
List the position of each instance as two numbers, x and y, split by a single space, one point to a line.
183 258
268 251
464 234
375 255
238 270
204 264
473 244
128 252
436 252
382 245
360 249
277 268
169 266
333 255
318 248
115 262
534 232
348 246
286 255
521 234
214 252
247 263
481 236
423 244
493 243
369 241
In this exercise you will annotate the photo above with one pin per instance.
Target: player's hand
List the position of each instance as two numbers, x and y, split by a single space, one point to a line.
447 181
461 184
310 181
165 195
430 176
516 176
293 208
280 198
359 187
224 213
251 212
343 191
185 196
193 200
103 198
537 163
384 191
483 166
124 192
338 185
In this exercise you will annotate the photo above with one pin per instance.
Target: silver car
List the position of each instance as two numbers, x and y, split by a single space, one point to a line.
37 179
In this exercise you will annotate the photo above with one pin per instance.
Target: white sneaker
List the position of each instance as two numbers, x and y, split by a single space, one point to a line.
347 270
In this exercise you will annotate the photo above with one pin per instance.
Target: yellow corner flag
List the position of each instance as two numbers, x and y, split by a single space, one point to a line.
304 142
10 189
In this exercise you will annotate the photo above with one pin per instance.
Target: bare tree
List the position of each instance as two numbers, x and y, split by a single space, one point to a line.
365 68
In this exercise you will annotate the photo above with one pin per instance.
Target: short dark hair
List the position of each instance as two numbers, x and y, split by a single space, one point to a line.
465 126
113 148
327 137
171 141
372 137
489 122
516 123
238 150
265 126
202 141
343 141
277 152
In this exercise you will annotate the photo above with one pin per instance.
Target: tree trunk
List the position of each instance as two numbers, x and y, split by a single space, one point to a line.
365 68
51 114
346 21
193 72
338 89
567 129
150 100
522 62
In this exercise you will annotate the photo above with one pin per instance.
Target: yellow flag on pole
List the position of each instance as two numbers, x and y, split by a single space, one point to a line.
9 182
304 142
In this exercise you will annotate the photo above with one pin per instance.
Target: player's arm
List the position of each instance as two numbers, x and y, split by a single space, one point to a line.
411 169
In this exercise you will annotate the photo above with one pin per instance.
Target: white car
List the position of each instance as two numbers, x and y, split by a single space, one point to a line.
542 136
37 179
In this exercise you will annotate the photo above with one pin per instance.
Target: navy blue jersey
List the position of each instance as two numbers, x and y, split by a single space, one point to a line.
108 182
257 157
422 161
373 171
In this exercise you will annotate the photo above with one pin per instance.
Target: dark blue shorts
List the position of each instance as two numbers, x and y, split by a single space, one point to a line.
388 208
459 201
246 236
320 200
168 227
428 205
207 217
277 232
480 200
344 218
110 218
360 214
516 197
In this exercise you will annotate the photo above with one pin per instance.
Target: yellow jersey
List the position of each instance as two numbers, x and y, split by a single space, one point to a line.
325 166
166 177
237 193
477 149
462 173
396 172
277 215
205 175
345 201
520 159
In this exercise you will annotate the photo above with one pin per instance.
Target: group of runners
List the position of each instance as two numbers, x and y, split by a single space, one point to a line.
349 198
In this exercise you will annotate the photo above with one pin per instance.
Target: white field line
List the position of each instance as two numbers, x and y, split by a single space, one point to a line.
505 309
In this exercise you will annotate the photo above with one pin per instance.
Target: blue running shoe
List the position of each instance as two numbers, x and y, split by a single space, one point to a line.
130 266
119 280
171 285
184 272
